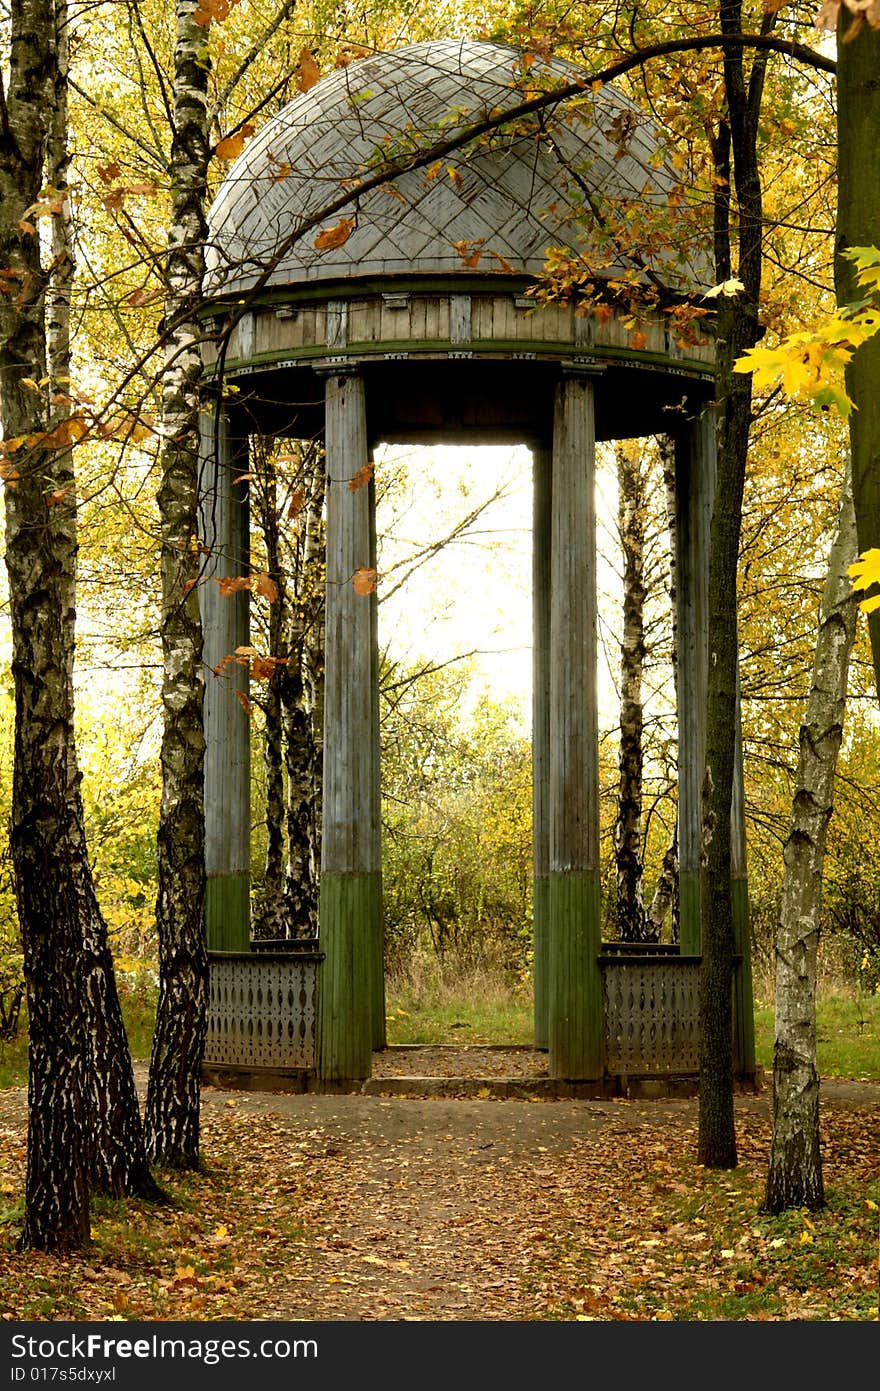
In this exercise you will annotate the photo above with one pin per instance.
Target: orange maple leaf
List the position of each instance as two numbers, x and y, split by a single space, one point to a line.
309 72
232 146
362 476
331 237
265 586
364 580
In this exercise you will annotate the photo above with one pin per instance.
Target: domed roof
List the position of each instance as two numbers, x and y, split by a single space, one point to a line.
496 208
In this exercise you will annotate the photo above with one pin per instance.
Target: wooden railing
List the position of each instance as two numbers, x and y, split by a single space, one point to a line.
652 1010
262 1009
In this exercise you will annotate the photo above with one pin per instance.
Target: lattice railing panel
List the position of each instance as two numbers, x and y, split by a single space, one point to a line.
262 1010
652 1015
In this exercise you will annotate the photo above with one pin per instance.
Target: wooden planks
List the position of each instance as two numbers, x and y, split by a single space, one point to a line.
695 485
575 988
350 907
223 528
542 485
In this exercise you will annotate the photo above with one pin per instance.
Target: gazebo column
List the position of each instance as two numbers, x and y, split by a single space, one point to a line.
223 529
576 1025
694 486
542 460
351 880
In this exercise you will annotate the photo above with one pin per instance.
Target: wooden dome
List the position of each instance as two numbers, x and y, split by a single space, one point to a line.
507 201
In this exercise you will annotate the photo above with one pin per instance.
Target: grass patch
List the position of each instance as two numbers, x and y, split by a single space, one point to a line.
476 1007
847 1029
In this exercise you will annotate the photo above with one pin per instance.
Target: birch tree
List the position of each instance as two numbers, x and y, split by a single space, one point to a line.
794 1177
631 918
84 1123
172 1115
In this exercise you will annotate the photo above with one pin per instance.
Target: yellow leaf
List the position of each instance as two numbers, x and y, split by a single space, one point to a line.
726 288
866 570
806 1239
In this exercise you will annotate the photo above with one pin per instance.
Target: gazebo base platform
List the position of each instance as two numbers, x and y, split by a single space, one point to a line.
475 1071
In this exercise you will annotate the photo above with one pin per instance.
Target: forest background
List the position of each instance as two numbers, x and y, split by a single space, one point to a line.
457 844
457 808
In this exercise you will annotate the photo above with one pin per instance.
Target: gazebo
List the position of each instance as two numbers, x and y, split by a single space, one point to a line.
406 316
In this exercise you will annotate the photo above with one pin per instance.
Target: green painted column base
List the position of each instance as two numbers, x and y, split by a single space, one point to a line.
690 932
743 994
376 913
228 912
576 1008
350 913
541 963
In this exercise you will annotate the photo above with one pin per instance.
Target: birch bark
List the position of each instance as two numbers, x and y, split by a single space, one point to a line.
40 560
117 1156
794 1177
665 898
303 696
172 1116
632 923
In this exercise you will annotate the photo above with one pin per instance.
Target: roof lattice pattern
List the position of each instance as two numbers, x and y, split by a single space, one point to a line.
516 195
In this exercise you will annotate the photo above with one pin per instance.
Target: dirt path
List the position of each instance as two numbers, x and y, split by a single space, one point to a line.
368 1207
461 1209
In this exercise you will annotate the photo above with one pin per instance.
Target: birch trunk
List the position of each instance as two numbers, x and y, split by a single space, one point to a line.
270 920
117 1155
40 562
303 694
172 1116
794 1178
632 924
665 898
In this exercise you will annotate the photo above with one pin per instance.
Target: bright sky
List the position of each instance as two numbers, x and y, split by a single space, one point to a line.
476 592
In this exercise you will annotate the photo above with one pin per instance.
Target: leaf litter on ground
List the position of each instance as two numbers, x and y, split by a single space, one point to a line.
454 1210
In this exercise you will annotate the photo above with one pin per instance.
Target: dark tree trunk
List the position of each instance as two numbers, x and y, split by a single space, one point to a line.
737 329
858 224
172 1117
